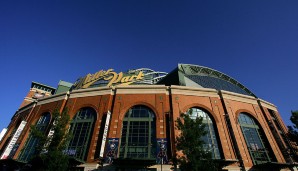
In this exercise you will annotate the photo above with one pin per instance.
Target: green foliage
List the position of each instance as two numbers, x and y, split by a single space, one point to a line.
190 143
293 130
49 151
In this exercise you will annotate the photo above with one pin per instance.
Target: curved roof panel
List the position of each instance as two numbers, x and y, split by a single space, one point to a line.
210 78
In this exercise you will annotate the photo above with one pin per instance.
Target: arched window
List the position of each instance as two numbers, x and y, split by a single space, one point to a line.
80 129
256 141
32 141
138 138
210 138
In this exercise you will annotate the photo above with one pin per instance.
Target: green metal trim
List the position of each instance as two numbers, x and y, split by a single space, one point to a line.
251 151
90 124
250 126
128 119
201 70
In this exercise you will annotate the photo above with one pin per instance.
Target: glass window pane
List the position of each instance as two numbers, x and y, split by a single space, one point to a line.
252 135
137 143
32 142
210 138
81 129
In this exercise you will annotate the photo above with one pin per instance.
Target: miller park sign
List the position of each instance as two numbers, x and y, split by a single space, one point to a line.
108 78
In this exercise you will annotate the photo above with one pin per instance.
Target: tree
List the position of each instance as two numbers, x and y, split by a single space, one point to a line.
293 130
190 143
50 152
293 134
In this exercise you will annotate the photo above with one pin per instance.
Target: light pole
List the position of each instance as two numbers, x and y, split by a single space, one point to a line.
161 156
162 148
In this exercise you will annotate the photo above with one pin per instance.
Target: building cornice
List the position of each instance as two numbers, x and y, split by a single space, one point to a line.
267 105
184 90
25 108
50 99
91 92
142 89
41 91
29 99
238 97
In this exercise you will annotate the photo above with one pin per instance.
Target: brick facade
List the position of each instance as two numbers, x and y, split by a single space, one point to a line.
167 103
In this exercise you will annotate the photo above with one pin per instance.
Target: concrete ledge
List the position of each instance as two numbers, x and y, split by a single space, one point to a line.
50 99
27 107
191 91
142 89
91 92
268 105
239 97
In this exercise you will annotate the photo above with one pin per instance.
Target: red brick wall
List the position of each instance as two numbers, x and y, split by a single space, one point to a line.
34 114
162 104
213 106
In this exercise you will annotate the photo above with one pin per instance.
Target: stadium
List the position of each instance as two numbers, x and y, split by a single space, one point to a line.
126 121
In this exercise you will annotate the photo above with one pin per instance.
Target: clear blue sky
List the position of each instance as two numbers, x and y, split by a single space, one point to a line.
255 42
